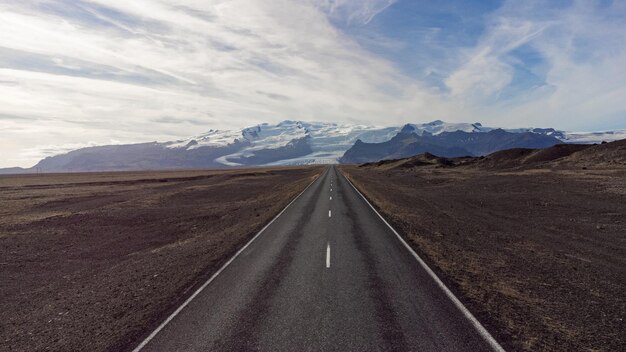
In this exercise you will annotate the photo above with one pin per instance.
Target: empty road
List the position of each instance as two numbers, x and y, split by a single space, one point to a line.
326 275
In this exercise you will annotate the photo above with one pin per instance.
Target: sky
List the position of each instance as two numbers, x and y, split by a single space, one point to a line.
76 73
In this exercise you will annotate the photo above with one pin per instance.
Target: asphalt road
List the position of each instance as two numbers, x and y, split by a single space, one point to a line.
327 275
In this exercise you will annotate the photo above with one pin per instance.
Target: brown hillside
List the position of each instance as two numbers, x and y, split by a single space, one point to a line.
561 155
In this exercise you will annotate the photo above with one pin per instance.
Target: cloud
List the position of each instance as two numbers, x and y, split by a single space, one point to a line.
82 72
575 55
126 69
354 12
488 70
274 96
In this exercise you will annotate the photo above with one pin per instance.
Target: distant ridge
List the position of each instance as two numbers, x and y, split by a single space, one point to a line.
446 144
299 143
603 155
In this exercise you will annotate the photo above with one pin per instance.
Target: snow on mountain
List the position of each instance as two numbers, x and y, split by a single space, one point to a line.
438 126
266 136
286 143
212 138
593 137
329 141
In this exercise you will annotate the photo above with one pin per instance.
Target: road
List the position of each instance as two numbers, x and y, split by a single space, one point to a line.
327 274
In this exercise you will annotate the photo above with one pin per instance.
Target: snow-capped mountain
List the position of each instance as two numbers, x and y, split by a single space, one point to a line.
287 143
445 144
438 126
593 137
327 141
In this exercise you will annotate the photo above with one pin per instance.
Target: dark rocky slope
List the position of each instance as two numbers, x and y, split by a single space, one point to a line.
447 144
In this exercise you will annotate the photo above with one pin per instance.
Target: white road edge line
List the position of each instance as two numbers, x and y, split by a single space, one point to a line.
327 255
477 325
182 306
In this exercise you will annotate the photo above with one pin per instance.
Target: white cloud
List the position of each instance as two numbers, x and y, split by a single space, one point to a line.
115 67
584 50
357 12
487 71
80 72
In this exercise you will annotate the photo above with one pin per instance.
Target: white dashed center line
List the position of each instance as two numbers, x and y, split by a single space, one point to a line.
327 255
329 213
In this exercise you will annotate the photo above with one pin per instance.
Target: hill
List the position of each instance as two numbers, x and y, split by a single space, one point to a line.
446 144
605 155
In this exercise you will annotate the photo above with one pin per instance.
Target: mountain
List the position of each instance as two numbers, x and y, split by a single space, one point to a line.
326 142
605 155
14 170
142 156
286 143
446 144
298 142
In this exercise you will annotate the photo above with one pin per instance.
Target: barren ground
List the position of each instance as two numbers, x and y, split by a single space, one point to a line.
96 261
538 255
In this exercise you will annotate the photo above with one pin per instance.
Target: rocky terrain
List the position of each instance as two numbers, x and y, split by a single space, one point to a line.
533 241
97 261
448 144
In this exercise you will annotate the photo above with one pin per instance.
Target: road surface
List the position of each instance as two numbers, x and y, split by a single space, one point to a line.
326 275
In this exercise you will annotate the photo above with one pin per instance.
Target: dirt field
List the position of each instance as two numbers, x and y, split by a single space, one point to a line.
94 262
538 254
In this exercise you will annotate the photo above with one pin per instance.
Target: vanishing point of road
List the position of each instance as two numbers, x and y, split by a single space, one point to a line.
327 274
